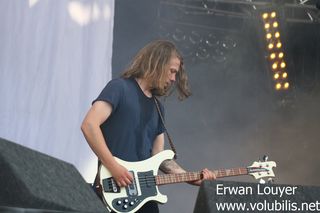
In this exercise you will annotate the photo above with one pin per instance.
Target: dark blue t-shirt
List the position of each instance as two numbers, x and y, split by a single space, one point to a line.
134 122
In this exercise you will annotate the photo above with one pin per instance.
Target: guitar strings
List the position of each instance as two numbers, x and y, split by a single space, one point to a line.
151 180
219 173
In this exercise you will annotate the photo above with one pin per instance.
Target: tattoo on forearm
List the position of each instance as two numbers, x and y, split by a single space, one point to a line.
170 166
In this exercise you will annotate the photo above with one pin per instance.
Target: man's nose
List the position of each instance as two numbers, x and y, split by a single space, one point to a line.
173 77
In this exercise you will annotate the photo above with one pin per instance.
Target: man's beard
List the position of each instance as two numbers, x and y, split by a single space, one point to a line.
166 91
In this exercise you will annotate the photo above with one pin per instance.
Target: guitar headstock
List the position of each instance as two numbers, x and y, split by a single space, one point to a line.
261 169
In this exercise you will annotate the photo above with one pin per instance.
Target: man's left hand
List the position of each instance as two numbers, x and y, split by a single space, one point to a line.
206 175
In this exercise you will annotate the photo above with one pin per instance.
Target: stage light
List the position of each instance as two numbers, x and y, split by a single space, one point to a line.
279 44
286 85
284 75
270 46
274 49
266 25
195 38
280 55
272 56
274 66
179 35
278 86
275 24
265 15
268 36
202 52
211 40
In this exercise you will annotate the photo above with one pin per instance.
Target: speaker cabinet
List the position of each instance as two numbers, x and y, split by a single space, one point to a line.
30 179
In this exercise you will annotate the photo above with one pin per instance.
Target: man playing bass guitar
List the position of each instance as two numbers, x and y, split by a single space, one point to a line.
123 121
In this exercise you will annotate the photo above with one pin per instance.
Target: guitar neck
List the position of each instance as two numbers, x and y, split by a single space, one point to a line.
193 176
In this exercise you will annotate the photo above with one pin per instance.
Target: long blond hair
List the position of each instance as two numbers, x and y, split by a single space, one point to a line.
151 63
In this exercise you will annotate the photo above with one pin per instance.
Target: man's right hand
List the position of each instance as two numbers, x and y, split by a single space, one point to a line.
121 175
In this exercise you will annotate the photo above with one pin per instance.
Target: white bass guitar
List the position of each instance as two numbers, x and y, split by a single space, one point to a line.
144 187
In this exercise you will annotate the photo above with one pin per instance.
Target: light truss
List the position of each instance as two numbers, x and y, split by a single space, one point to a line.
295 11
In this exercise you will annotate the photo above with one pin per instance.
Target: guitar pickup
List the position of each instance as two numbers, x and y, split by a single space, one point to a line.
109 185
132 188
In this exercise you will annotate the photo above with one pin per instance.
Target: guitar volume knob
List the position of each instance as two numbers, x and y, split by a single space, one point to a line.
125 206
126 200
131 203
119 202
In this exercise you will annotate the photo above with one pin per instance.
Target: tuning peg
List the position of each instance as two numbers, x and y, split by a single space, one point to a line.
261 181
265 158
270 180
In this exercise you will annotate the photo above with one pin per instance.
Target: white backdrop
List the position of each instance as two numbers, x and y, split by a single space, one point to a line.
55 57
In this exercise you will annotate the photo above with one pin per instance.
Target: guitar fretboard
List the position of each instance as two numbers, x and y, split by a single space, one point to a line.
193 176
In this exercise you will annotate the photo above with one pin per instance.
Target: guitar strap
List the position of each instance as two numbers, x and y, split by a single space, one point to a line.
165 129
97 186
